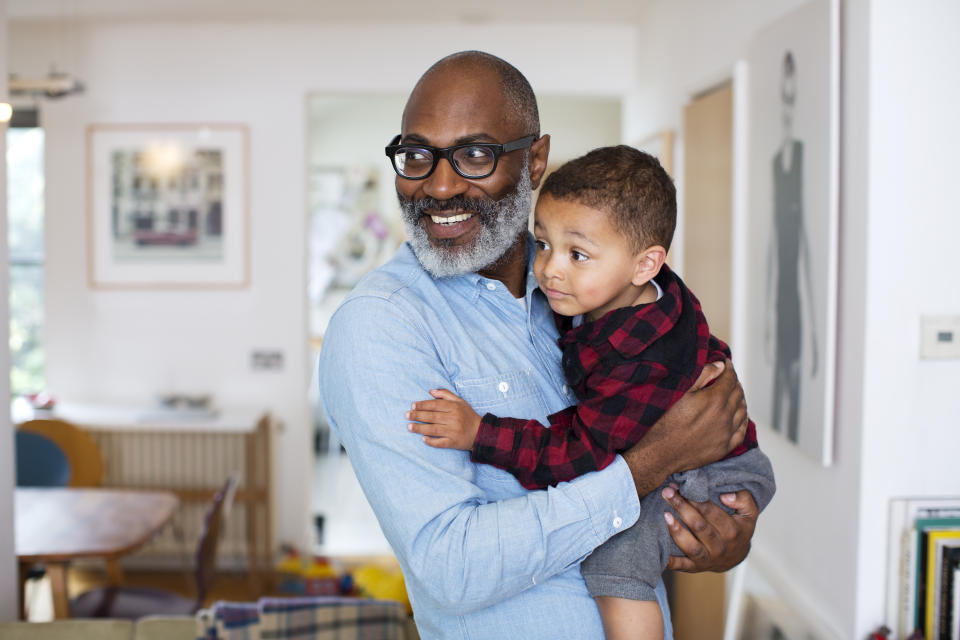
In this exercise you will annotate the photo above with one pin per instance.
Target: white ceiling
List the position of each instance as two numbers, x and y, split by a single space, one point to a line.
369 11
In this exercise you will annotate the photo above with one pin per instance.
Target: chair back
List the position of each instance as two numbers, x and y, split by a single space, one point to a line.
40 462
210 536
86 461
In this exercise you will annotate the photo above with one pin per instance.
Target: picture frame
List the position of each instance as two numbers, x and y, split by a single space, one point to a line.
791 223
167 206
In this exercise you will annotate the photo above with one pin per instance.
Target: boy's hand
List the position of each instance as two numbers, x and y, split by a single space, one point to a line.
448 422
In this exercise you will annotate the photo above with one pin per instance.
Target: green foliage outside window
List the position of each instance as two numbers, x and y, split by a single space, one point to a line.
25 239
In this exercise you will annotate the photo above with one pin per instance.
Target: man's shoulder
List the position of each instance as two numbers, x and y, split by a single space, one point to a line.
401 272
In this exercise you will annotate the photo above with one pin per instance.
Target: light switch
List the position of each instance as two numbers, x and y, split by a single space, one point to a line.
939 337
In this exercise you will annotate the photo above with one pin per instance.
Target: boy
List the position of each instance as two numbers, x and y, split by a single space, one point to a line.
635 341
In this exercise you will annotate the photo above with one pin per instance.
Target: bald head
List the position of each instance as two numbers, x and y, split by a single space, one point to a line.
519 101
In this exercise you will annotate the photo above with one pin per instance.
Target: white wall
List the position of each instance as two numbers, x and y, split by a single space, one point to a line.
824 536
911 411
8 563
807 539
130 345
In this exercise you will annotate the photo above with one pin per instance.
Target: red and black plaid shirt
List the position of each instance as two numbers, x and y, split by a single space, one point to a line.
626 369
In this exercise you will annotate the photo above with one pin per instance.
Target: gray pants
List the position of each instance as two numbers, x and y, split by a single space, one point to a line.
629 564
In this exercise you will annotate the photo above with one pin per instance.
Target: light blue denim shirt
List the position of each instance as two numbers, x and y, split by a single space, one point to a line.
482 556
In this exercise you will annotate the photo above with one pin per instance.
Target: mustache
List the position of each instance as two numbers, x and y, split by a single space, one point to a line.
413 209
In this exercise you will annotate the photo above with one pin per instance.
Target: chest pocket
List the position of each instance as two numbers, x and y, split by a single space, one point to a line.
512 394
485 395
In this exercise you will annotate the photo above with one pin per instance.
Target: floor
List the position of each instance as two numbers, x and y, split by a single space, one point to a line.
349 527
232 586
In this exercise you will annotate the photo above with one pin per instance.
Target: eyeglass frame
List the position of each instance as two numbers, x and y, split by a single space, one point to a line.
447 152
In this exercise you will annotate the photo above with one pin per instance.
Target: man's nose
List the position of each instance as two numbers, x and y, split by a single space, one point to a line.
444 182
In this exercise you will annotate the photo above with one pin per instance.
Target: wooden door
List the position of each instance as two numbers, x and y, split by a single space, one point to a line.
707 196
697 599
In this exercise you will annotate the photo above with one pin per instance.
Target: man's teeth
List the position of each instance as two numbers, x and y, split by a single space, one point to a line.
451 219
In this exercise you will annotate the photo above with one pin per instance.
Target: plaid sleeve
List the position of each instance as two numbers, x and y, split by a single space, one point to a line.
720 351
622 403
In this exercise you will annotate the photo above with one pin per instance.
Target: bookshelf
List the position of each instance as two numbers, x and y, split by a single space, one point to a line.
923 568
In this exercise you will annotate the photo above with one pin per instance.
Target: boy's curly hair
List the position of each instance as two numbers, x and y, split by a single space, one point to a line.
626 183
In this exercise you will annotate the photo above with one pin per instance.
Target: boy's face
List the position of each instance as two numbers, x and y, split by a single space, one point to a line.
583 264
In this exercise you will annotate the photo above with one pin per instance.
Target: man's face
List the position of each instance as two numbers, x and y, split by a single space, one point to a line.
458 225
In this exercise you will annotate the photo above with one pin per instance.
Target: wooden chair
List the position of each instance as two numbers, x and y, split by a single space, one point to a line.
131 603
83 454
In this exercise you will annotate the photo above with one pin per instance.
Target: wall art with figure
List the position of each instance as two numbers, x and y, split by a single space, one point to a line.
792 226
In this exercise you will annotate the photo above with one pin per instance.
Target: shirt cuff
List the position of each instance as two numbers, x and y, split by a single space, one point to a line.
610 497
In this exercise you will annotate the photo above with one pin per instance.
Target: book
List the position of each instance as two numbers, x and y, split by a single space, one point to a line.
950 563
901 599
936 540
955 628
924 525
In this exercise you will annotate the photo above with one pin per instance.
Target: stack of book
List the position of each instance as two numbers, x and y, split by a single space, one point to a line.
924 568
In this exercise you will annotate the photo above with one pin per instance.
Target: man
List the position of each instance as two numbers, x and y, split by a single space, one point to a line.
457 308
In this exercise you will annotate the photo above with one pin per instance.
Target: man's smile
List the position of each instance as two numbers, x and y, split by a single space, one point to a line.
450 226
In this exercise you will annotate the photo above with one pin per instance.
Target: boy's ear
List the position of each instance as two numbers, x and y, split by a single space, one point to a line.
648 264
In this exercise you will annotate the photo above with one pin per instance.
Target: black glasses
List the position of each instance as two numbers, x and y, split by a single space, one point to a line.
473 160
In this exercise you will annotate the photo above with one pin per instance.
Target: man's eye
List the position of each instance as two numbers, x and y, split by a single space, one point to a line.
415 155
579 257
476 155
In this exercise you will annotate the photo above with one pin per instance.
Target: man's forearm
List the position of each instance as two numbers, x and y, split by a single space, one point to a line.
649 463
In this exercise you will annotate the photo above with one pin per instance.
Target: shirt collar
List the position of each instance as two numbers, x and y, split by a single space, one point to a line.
630 330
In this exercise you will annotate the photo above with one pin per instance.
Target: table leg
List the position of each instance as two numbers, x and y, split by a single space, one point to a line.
57 571
22 569
114 572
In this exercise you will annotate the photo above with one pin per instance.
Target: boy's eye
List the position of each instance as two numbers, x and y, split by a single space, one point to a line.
578 257
542 246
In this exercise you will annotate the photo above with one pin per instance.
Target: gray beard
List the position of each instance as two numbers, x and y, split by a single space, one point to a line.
501 221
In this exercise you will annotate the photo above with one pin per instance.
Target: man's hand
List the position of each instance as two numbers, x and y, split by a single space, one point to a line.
448 422
702 427
713 540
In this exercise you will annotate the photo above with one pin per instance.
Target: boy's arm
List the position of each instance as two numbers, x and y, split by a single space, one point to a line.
621 406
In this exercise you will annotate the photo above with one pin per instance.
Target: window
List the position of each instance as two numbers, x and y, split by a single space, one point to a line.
25 213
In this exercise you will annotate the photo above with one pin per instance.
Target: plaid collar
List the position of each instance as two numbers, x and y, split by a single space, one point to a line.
629 330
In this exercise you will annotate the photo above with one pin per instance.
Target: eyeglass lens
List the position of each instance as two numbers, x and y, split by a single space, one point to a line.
471 161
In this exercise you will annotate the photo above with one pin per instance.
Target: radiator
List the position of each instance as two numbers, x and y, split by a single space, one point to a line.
193 464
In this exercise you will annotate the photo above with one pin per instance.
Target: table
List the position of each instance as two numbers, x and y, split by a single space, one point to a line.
189 453
55 526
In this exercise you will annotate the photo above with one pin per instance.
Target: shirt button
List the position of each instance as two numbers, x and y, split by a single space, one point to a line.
565 389
617 522
503 386
491 286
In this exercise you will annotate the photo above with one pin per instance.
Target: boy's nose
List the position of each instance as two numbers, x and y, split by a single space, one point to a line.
552 270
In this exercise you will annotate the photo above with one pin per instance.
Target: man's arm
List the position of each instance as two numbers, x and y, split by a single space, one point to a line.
702 427
457 545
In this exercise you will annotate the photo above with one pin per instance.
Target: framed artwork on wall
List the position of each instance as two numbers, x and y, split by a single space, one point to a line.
791 218
167 206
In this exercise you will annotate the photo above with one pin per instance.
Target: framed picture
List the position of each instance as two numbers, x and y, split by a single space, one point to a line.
792 167
167 206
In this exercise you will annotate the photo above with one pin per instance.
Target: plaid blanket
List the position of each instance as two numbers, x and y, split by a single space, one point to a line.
320 618
229 621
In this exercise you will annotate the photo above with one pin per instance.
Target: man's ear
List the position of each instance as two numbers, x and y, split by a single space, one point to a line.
539 151
648 264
